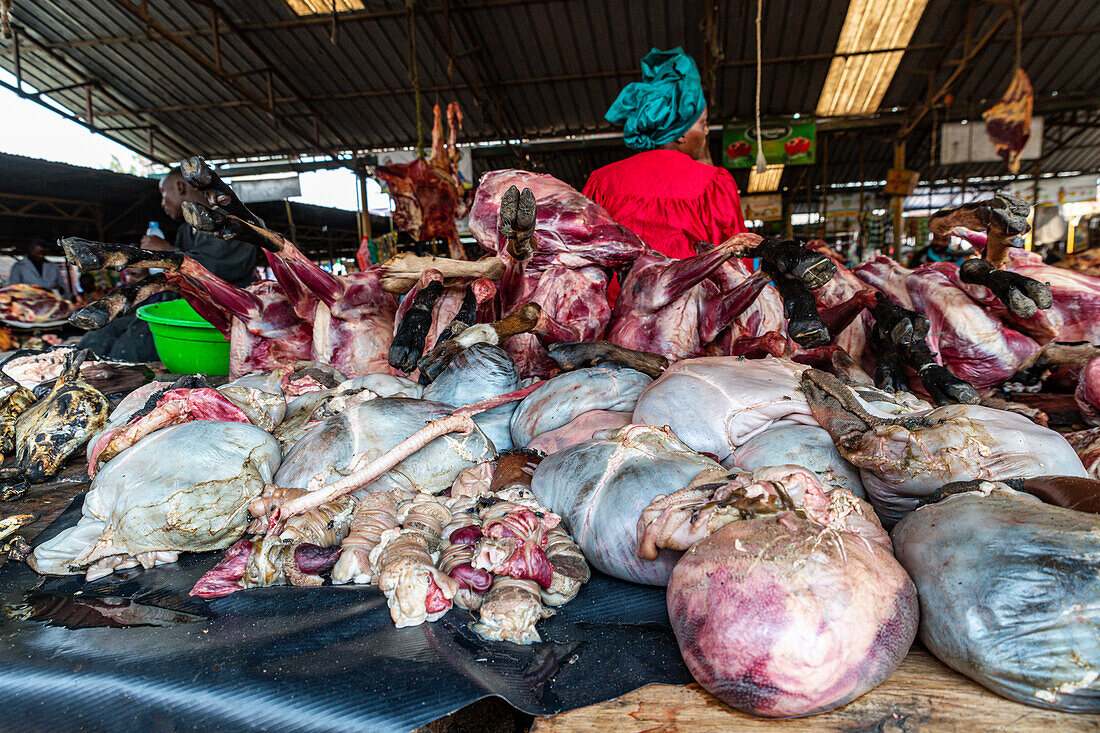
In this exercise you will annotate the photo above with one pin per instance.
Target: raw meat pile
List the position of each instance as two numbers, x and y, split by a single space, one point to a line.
28 304
741 438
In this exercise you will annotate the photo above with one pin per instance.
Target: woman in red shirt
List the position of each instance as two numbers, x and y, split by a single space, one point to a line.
666 194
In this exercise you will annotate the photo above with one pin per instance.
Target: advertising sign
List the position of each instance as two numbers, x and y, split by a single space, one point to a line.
960 143
786 141
766 207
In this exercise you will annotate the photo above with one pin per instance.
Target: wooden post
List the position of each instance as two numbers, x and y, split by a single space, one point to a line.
788 228
290 223
364 214
899 164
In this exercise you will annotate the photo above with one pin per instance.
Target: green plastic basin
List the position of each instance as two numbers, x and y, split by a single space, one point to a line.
185 341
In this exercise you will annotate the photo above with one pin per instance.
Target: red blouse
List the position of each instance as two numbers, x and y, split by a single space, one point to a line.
669 200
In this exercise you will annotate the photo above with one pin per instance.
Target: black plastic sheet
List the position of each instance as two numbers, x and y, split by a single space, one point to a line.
300 659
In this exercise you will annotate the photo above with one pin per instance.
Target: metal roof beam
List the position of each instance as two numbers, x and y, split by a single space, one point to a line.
21 32
273 71
356 16
143 15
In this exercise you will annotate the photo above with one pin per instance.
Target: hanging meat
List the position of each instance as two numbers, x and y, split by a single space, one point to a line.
428 195
1008 123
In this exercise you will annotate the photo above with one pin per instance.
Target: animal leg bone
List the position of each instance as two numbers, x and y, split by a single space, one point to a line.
120 301
89 256
804 323
570 355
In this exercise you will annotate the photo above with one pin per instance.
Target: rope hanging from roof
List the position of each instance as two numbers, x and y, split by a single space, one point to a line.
761 161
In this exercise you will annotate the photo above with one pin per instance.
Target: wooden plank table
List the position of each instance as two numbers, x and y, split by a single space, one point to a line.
922 695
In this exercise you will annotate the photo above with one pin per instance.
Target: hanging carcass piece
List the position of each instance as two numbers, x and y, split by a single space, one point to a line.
1008 593
184 488
352 316
427 194
576 244
905 333
600 487
263 330
791 603
669 307
47 432
1004 219
903 459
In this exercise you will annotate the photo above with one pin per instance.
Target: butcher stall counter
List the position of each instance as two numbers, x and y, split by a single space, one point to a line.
922 695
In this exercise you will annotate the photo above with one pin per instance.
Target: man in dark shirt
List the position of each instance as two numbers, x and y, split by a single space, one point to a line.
228 259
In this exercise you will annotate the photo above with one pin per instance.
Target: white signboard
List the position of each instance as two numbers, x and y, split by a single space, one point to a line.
268 189
465 163
963 142
1056 191
765 207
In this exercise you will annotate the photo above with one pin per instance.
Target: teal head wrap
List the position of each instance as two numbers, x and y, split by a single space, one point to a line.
663 105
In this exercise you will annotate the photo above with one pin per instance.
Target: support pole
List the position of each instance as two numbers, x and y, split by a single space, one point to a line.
899 164
364 213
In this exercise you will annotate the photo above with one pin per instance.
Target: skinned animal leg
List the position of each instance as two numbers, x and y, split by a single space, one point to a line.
680 276
326 286
88 256
120 302
718 313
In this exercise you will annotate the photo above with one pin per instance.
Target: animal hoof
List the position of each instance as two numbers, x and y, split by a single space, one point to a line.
197 172
90 318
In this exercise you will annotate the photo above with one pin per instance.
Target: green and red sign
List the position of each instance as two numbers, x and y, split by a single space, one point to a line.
786 140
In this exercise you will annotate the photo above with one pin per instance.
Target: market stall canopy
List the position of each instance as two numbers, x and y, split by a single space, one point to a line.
232 79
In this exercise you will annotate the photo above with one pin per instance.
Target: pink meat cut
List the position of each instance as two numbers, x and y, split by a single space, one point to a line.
577 243
973 344
840 289
260 321
670 307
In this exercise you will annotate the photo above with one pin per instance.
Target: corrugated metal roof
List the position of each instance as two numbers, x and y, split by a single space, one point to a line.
519 68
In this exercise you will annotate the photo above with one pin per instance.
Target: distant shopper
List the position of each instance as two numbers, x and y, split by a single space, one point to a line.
936 251
228 259
35 270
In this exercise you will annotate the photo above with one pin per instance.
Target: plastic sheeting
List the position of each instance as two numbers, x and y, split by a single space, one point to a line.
301 659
